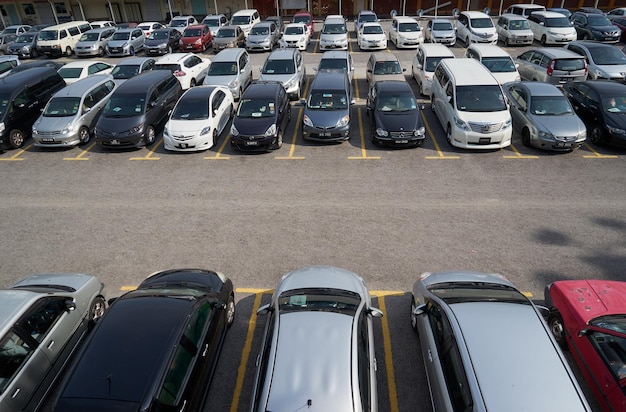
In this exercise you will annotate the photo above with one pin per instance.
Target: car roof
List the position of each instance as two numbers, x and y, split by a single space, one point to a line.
32 75
201 91
559 53
384 56
262 88
548 14
512 16
133 60
81 64
335 54
245 12
471 14
541 89
174 57
100 29
404 19
466 71
605 86
228 54
490 50
83 85
143 81
436 49
264 23
282 54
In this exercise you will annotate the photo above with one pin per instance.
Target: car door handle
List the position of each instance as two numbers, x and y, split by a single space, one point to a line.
182 408
430 356
50 345
206 349
17 391
583 105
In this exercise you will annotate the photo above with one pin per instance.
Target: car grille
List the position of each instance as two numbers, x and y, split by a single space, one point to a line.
405 133
485 127
565 138
182 138
53 133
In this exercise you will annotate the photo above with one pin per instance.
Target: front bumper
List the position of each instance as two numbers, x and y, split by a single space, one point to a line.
56 139
373 45
330 134
467 139
121 140
399 139
559 144
191 143
254 143
332 45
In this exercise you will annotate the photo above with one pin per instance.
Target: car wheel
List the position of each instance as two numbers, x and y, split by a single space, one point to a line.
215 137
555 323
289 114
279 139
449 135
83 135
467 41
192 83
413 317
585 36
421 87
100 52
596 135
34 53
543 40
68 51
432 103
169 49
16 138
506 42
526 137
132 51
150 136
97 308
230 311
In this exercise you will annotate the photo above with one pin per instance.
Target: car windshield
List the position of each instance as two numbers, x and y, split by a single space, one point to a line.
615 323
191 109
396 103
319 299
388 67
279 67
615 103
443 25
121 36
366 18
328 100
224 33
159 35
518 25
550 106
608 56
569 65
302 19
70 72
480 99
457 292
260 31
62 107
5 67
499 64
179 23
558 22
222 68
144 27
481 23
211 22
48 35
408 27
125 71
373 29
334 29
25 38
432 62
90 37
294 30
124 106
192 33
598 20
240 20
251 108
333 65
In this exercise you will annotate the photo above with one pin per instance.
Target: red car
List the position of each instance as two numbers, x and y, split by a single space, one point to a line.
306 18
589 316
196 38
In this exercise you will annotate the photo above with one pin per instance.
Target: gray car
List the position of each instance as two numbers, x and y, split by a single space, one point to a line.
286 66
43 318
24 46
131 67
486 347
553 65
126 42
603 60
263 36
228 36
94 42
544 116
440 31
318 346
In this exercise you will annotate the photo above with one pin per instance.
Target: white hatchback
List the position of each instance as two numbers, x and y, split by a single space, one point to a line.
405 32
371 36
296 35
76 70
188 68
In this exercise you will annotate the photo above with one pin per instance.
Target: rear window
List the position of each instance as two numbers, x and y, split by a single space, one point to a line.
334 29
558 22
302 19
569 65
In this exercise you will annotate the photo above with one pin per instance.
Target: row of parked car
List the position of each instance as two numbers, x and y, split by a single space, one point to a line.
157 347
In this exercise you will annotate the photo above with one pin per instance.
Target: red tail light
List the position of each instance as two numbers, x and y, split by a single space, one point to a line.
550 68
586 66
179 73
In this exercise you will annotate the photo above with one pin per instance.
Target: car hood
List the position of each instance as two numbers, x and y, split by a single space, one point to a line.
293 37
88 43
154 42
186 127
441 33
258 38
484 31
118 124
326 118
505 77
220 80
189 40
613 69
51 124
118 43
615 119
253 126
592 298
73 280
283 78
399 121
570 125
605 29
374 36
223 40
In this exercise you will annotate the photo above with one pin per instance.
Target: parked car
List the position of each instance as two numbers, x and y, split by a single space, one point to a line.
544 116
131 67
603 61
126 42
364 16
16 29
7 64
334 34
327 108
148 27
94 42
263 36
296 35
246 19
424 63
215 22
405 32
550 27
601 104
383 66
396 119
587 316
306 18
524 9
621 23
617 12
262 116
196 38
231 68
6 40
24 46
319 324
56 65
475 27
44 319
162 41
440 31
278 21
371 36
591 26
336 61
76 70
469 324
180 23
514 30
198 119
286 66
553 65
166 363
188 68
497 60
228 36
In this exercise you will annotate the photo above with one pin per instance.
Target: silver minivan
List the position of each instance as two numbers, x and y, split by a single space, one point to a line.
94 42
231 68
553 65
334 33
514 29
71 114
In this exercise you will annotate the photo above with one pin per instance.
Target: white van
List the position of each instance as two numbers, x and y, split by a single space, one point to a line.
334 33
496 59
470 105
245 19
61 39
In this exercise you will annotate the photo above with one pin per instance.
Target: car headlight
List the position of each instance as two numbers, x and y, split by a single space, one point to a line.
271 131
166 131
305 119
199 41
382 132
508 123
546 135
290 83
344 121
234 131
162 45
205 130
420 131
125 45
233 84
616 130
26 49
136 128
582 134
461 124
68 128
1 127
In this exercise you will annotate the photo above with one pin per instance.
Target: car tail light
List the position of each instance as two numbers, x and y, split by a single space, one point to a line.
179 73
586 67
550 68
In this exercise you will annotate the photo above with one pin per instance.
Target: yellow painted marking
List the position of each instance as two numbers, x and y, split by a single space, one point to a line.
245 354
596 154
518 155
83 153
391 381
150 152
432 136
364 155
292 145
218 155
529 295
15 157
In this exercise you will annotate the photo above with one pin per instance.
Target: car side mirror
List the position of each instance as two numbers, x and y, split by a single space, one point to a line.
449 99
542 23
303 102
260 69
584 332
404 69
353 101
419 309
86 109
375 312
369 70
70 305
263 310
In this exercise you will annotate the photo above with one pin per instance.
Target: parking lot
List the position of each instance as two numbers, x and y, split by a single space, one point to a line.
387 214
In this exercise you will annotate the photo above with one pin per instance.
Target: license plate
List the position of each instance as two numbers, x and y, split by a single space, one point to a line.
484 140
153 50
114 142
402 141
47 140
190 47
325 134
252 143
563 145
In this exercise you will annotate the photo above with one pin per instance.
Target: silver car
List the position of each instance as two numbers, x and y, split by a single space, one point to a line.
42 320
440 31
544 116
604 61
263 36
553 65
94 42
318 346
286 66
126 42
486 347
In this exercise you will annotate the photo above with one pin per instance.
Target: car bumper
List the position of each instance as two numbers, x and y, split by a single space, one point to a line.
520 41
616 139
50 51
409 43
156 51
552 39
331 134
254 143
392 140
188 144
333 46
135 139
55 139
261 47
465 139
86 52
559 145
192 48
449 41
380 45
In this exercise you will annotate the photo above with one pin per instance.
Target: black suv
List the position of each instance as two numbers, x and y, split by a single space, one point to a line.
263 113
592 26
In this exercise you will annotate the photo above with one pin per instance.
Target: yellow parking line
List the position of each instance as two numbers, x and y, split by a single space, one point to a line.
432 136
256 291
15 157
364 155
150 152
391 381
83 153
218 155
292 145
241 372
518 155
596 155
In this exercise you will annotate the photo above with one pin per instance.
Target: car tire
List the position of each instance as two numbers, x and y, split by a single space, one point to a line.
131 51
467 42
555 324
34 53
215 137
543 40
192 83
506 42
432 103
16 138
230 311
150 135
100 52
68 51
83 135
421 87
97 308
585 36
413 317
596 135
279 139
526 137
449 135
289 114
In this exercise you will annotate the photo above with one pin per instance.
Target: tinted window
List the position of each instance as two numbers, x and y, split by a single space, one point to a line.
124 106
569 64
408 27
557 22
279 67
191 109
13 354
432 62
328 100
259 107
62 107
334 28
480 99
481 23
499 64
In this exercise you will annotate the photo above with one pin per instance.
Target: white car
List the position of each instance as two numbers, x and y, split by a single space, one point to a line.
198 119
371 36
188 68
296 35
405 32
74 71
425 61
149 26
180 23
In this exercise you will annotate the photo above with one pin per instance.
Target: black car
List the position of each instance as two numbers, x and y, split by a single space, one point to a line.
24 45
155 349
601 104
37 63
592 26
396 119
262 117
162 41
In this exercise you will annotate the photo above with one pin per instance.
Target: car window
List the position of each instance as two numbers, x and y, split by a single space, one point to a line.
39 320
363 349
14 352
613 350
519 96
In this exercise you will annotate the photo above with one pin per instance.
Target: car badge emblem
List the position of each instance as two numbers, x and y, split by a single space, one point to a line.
486 127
